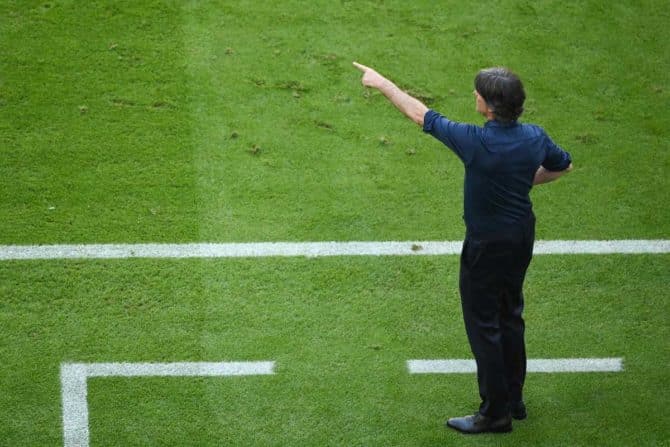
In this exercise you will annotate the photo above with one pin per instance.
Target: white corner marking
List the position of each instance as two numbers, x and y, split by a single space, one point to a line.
74 388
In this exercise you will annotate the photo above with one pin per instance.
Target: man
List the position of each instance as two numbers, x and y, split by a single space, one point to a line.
503 160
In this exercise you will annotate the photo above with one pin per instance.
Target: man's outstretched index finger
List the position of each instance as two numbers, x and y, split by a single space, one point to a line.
361 67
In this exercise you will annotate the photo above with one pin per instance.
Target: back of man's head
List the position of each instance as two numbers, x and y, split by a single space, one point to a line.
503 92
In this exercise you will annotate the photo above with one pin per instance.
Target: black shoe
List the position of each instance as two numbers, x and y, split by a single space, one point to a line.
519 411
480 424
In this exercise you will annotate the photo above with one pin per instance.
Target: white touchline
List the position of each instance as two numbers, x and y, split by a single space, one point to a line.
457 366
74 386
309 249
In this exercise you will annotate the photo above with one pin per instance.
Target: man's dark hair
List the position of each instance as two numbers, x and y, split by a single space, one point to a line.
503 92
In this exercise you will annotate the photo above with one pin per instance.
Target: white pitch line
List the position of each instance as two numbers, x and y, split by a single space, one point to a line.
181 369
74 387
458 366
309 249
75 406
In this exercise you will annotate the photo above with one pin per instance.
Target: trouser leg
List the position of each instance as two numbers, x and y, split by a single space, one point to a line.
482 324
491 283
512 323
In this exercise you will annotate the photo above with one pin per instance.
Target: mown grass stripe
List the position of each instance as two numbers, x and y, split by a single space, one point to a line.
308 249
459 366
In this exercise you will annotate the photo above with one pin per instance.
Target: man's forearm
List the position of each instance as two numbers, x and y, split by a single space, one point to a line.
408 105
411 107
544 176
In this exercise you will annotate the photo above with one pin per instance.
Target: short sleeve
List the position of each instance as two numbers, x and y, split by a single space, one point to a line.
459 137
556 159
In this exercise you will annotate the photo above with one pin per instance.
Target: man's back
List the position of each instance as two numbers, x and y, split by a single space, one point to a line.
500 161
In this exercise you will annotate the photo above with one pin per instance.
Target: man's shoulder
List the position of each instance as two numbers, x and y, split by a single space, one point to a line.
532 130
434 119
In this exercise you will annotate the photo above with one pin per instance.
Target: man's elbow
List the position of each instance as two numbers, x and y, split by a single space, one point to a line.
418 114
418 119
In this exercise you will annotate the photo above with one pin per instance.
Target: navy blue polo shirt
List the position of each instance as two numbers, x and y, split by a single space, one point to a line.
500 162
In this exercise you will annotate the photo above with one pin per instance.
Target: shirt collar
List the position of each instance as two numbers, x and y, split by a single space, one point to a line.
496 123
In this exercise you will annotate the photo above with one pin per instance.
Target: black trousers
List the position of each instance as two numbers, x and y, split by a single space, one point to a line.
492 273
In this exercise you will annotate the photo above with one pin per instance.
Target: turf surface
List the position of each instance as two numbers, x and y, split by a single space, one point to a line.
188 121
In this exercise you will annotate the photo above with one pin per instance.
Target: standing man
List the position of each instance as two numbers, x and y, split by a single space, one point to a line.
503 160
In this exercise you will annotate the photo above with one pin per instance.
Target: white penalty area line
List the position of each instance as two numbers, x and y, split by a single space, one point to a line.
458 366
74 386
310 249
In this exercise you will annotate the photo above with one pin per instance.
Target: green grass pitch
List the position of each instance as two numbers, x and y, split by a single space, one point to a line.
244 121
